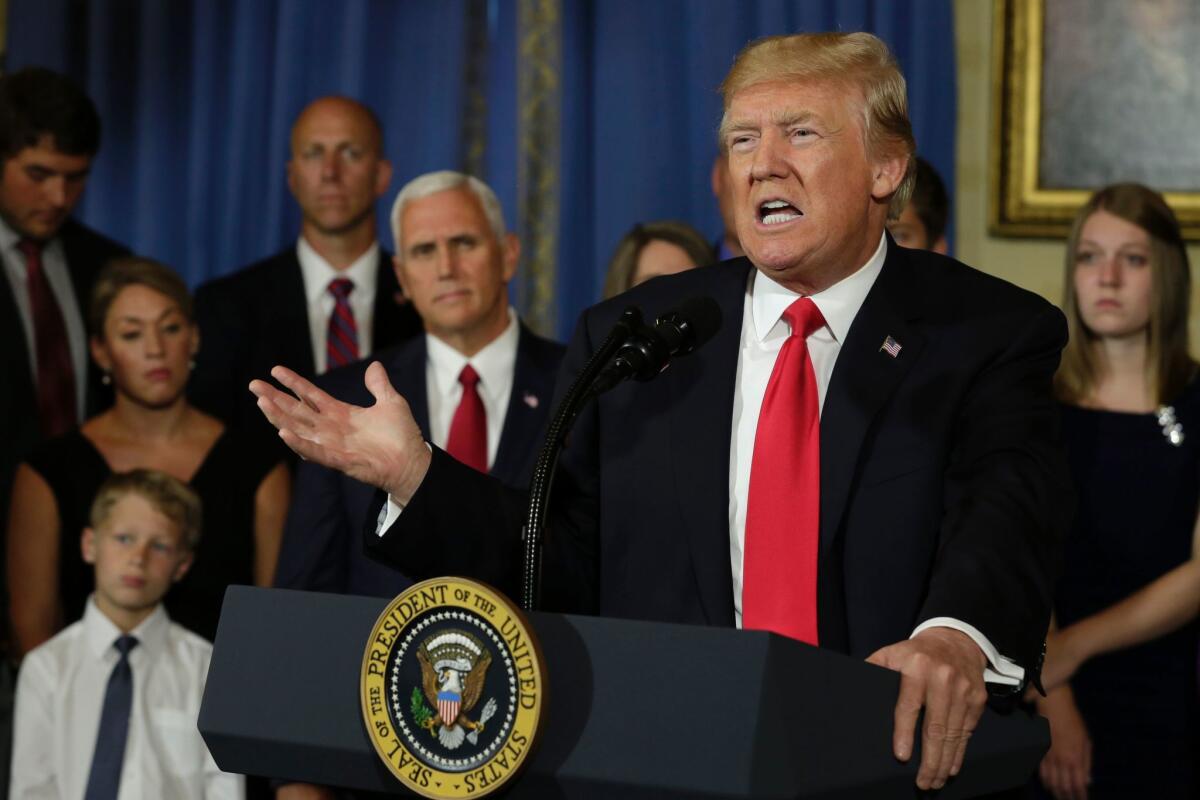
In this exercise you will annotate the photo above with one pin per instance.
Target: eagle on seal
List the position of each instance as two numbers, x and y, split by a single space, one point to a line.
453 692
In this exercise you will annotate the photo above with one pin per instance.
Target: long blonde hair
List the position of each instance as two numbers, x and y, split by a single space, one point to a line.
1169 367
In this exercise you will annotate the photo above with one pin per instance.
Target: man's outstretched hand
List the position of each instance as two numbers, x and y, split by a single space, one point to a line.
380 445
941 669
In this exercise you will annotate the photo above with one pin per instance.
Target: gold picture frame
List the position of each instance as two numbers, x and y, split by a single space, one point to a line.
1022 203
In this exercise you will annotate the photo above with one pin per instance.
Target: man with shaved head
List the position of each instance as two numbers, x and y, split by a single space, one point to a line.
329 299
864 456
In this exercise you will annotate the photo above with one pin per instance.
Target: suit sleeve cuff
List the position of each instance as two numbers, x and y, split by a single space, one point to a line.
1000 670
390 511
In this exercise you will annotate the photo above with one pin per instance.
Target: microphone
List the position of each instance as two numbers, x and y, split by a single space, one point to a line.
647 351
631 350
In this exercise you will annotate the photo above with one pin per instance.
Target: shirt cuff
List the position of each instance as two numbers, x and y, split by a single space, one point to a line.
391 510
1000 670
387 516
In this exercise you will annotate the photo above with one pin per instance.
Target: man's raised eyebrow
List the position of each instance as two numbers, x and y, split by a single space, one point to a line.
728 126
785 117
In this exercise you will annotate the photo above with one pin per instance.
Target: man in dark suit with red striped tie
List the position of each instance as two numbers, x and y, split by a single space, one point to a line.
49 133
327 300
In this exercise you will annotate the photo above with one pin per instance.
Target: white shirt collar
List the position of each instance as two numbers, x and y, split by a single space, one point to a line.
100 632
318 272
839 303
8 237
494 363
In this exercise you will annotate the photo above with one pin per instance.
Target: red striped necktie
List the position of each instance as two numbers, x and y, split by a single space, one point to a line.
779 567
52 351
341 342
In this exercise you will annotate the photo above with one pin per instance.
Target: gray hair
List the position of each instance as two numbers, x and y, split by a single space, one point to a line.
442 181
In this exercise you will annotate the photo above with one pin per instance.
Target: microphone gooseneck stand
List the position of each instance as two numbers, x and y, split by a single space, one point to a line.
533 533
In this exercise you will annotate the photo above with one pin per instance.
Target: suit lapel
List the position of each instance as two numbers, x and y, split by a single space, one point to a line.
85 257
291 316
79 266
701 424
406 370
523 421
19 377
863 380
393 321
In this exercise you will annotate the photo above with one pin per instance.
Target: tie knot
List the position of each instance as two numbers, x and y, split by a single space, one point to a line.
804 317
341 287
30 248
124 644
468 377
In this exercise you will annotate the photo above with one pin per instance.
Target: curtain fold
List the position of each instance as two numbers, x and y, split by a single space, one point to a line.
198 97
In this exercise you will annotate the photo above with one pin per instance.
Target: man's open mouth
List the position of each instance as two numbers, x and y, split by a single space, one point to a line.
775 212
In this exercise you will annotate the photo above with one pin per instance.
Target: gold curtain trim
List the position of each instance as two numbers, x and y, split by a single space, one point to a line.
538 183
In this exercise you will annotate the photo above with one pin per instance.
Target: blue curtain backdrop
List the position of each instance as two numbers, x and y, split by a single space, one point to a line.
198 96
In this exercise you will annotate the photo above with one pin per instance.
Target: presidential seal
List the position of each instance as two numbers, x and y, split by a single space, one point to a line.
452 688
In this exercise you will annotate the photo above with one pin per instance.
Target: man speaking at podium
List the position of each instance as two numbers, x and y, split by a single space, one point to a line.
863 457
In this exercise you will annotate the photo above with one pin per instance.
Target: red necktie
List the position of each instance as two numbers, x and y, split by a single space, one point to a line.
779 566
341 341
55 373
468 430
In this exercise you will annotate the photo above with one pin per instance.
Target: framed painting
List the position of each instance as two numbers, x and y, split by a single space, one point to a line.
1087 94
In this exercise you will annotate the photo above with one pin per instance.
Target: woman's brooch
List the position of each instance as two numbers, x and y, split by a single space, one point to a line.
1171 429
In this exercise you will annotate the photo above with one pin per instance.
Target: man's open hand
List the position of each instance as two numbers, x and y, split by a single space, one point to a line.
380 445
941 670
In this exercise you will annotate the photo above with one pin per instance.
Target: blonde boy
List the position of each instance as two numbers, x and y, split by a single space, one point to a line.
108 707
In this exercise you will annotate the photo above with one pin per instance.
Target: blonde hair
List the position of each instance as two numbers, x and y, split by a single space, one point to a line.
135 271
168 495
1169 367
858 59
623 265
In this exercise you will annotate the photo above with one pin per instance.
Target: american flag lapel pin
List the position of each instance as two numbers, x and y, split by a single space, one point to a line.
890 346
530 399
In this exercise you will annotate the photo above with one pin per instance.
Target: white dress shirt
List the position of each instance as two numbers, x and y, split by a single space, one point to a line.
317 274
494 364
54 265
763 333
60 694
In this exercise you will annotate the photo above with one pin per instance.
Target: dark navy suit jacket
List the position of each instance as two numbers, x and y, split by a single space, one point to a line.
322 545
944 490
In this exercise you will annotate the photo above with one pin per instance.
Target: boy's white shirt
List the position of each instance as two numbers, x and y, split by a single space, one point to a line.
60 693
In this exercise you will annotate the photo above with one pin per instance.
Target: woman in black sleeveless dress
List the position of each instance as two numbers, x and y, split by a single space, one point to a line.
143 337
1121 660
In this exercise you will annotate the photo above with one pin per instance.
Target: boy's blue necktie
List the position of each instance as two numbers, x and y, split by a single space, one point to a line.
105 777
